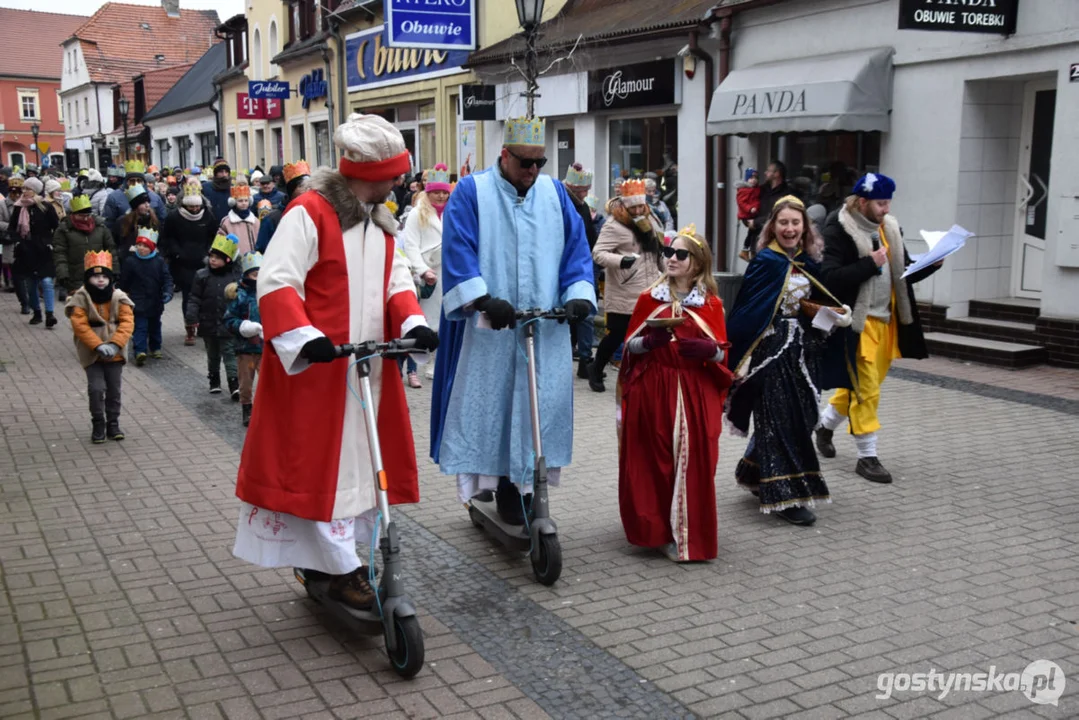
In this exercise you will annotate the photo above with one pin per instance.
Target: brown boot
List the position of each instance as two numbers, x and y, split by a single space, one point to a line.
189 339
353 589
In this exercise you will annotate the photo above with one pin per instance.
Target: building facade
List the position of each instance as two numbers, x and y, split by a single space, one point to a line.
30 90
116 44
977 128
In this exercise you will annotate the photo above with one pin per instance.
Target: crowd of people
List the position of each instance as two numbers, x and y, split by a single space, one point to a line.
367 252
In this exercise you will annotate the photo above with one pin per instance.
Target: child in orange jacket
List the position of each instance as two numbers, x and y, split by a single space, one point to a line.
102 319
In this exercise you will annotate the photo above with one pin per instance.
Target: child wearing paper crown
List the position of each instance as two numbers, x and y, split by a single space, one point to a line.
102 320
206 309
242 319
240 221
145 277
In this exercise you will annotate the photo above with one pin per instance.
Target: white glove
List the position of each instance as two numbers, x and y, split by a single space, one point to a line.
107 350
846 318
250 329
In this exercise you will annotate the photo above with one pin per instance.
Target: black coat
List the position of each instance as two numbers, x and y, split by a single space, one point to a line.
33 254
207 304
586 217
843 273
186 243
147 282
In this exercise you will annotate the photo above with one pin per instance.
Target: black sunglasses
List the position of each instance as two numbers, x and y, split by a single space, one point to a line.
670 252
527 163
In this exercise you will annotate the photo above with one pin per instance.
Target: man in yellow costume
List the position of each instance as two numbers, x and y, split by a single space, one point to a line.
864 262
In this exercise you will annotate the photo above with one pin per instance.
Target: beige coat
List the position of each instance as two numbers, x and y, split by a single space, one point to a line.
622 287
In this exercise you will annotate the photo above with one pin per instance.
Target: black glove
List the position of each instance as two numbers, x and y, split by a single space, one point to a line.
627 262
577 310
425 337
320 349
499 312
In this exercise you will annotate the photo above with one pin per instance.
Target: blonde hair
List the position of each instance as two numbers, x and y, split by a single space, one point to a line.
422 205
811 242
702 259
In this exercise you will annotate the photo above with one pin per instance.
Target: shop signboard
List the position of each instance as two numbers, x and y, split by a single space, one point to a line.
249 108
631 86
478 102
313 86
371 63
431 24
268 89
995 17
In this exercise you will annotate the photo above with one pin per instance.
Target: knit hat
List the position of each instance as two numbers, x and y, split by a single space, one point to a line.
226 245
577 176
51 186
80 203
438 179
147 237
221 164
34 184
632 193
750 172
136 195
372 149
192 193
873 186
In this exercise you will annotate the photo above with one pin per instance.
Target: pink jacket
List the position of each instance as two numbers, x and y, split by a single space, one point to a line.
247 230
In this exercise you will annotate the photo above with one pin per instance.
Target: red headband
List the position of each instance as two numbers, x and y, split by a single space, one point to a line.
375 171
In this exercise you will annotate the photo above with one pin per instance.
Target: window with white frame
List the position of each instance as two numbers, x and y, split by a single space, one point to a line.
16 159
231 139
59 107
275 47
256 55
75 119
85 110
28 104
245 151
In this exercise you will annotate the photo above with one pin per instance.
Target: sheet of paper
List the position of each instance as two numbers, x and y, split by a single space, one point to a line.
825 319
941 245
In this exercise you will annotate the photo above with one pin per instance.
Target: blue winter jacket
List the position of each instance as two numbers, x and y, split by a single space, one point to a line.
244 306
147 281
218 199
277 198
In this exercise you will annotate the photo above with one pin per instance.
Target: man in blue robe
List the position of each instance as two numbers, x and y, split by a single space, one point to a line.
512 240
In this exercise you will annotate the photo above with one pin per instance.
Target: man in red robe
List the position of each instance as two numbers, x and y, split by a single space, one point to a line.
332 276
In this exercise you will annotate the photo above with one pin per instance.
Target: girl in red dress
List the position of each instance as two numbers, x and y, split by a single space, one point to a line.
673 383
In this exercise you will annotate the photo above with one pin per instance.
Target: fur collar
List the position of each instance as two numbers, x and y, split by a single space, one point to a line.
251 217
896 264
662 293
332 185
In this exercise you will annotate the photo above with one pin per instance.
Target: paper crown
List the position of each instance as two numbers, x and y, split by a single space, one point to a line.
115 172
147 237
592 202
874 186
227 245
632 192
689 232
192 189
83 172
295 170
134 192
65 184
264 207
132 167
438 178
577 176
525 131
240 192
93 260
79 203
15 182
250 261
152 169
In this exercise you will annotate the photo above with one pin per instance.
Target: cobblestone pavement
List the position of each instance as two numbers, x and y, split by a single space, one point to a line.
122 599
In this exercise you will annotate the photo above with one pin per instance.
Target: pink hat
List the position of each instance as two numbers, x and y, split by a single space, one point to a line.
438 179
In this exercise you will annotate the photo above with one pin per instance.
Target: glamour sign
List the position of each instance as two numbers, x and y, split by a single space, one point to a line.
632 86
971 16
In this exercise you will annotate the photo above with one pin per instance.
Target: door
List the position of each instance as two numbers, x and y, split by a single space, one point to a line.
565 150
1036 150
408 132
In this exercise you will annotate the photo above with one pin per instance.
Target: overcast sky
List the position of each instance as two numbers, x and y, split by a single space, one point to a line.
225 8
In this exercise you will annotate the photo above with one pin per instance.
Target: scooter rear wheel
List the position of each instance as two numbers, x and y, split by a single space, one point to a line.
407 659
547 559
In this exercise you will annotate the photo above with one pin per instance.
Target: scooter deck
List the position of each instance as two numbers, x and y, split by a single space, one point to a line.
364 622
486 514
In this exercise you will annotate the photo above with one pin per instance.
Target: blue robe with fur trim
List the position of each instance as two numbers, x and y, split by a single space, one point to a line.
532 252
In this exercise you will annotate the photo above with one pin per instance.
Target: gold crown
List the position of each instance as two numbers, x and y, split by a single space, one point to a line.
295 170
689 232
632 188
791 200
101 259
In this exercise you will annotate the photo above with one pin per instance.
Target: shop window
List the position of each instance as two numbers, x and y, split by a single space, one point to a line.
278 146
323 151
427 146
299 147
245 152
643 145
231 157
260 148
28 104
823 167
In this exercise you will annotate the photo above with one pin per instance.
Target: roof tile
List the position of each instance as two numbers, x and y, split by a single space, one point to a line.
27 38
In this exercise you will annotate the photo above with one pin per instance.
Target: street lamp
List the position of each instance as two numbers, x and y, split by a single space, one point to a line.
529 13
124 107
34 130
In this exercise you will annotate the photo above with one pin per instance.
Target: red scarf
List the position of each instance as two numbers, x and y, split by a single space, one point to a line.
84 222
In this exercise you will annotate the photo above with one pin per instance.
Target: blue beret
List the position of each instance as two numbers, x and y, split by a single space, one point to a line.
874 186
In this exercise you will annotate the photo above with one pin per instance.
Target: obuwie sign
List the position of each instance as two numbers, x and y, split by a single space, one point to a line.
996 17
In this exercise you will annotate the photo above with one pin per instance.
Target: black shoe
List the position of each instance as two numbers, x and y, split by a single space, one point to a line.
50 320
353 589
871 469
595 378
113 431
97 434
246 409
798 516
36 320
509 503
824 443
215 382
234 389
582 367
25 311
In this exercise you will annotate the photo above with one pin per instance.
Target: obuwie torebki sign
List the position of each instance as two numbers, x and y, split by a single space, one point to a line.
970 16
631 86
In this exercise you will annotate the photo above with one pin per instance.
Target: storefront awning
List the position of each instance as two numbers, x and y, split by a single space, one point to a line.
848 91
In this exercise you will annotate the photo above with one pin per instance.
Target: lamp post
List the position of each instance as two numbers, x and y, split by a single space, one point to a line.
34 130
529 13
123 103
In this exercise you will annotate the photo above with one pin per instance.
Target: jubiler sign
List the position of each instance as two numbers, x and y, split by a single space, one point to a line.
631 86
996 17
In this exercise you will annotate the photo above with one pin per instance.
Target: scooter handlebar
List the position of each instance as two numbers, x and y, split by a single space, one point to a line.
391 349
541 314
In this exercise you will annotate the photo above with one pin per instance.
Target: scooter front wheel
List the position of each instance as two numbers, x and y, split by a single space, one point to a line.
407 658
547 559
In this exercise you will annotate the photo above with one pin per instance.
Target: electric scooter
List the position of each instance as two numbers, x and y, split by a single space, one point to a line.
394 614
539 535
